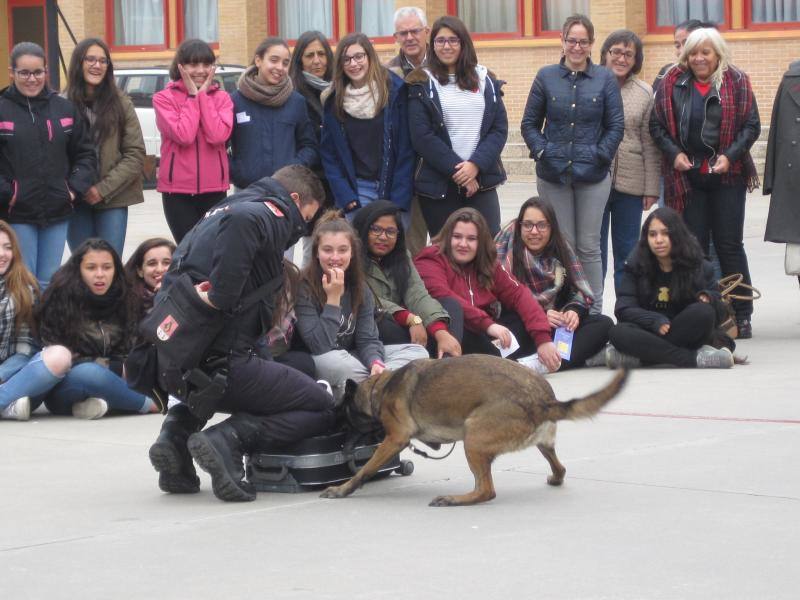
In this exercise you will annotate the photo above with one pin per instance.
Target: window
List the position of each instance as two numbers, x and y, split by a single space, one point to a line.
555 12
500 16
774 11
297 16
671 12
201 20
374 17
141 23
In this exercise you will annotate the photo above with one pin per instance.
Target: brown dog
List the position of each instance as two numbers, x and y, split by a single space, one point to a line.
493 404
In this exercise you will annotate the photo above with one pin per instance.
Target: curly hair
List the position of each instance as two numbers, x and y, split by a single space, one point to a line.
487 252
331 222
64 303
686 254
20 282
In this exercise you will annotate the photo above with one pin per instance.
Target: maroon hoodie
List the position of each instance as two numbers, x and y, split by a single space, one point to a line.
443 280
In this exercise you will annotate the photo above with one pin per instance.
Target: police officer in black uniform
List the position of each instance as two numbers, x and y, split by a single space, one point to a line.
236 248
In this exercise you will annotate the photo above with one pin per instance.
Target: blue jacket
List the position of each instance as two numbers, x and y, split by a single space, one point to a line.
583 123
265 139
398 156
437 160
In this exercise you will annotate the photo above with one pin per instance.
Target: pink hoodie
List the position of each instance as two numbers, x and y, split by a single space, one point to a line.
194 131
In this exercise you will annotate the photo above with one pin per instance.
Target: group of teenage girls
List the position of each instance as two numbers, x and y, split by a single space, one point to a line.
361 303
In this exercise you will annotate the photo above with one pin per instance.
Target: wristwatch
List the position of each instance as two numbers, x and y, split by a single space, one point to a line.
414 320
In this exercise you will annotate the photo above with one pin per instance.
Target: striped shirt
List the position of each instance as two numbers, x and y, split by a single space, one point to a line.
463 115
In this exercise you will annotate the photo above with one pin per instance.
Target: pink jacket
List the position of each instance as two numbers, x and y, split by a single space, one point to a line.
194 131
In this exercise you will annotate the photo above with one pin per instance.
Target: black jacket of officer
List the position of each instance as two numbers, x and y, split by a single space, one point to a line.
237 247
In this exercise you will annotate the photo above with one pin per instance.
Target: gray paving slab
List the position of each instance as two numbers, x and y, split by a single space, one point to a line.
686 487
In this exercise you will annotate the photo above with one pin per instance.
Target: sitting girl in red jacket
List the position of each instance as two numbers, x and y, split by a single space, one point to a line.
462 263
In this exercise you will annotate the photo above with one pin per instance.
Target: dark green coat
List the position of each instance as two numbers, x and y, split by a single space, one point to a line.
416 299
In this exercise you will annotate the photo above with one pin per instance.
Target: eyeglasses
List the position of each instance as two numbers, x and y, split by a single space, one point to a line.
540 226
378 231
409 32
94 60
572 42
441 42
25 74
358 57
617 53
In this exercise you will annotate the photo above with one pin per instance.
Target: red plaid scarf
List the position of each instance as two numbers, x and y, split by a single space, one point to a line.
736 99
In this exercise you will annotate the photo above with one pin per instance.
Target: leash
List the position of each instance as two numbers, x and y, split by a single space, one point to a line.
424 454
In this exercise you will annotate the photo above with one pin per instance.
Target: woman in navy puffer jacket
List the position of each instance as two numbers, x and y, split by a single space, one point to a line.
580 103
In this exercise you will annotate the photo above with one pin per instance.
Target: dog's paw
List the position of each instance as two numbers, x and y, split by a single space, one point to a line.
443 501
555 480
335 491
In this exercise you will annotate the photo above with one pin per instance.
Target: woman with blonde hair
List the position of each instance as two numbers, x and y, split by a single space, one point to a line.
18 294
704 122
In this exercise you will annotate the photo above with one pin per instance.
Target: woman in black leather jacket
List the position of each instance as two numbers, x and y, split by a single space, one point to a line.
704 121
573 124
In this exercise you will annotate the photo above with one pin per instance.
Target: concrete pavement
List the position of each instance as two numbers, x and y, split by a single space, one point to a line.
687 487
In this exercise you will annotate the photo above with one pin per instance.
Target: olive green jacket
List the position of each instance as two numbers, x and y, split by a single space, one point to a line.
121 159
416 299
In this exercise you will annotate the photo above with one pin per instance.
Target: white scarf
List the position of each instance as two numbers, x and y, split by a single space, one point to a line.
360 102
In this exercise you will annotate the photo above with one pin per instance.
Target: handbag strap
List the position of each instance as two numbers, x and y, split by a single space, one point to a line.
731 282
259 293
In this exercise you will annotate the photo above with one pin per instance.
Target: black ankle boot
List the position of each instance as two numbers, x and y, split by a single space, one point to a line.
170 456
219 450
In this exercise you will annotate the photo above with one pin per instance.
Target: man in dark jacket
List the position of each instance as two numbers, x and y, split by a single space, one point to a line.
235 249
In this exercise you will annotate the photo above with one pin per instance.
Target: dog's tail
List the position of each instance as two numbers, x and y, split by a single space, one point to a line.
588 406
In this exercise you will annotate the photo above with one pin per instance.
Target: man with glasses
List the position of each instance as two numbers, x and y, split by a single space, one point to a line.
411 32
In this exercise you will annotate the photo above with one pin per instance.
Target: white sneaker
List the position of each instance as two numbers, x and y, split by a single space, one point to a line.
532 362
326 385
91 408
709 357
598 360
19 410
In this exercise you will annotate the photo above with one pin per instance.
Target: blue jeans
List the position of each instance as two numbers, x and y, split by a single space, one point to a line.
624 214
109 224
368 193
33 380
90 380
42 248
12 365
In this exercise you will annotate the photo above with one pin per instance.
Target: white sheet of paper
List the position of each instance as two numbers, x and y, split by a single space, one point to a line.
242 117
513 347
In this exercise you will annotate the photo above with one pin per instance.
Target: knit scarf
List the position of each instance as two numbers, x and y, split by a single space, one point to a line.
736 100
101 307
253 88
545 275
360 102
318 85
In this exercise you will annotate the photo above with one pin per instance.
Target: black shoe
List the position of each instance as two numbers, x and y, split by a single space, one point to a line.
219 451
170 456
745 329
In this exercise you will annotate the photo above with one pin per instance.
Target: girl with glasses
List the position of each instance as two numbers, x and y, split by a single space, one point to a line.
48 161
365 147
115 130
407 312
572 125
458 128
533 249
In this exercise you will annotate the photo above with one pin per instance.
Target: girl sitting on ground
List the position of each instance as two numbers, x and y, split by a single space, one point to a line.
336 312
18 294
533 249
666 301
408 312
462 263
87 320
146 268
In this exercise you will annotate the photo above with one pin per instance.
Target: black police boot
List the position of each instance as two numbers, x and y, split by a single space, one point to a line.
170 456
219 450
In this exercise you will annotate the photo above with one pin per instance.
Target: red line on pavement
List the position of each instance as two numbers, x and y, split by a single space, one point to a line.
701 417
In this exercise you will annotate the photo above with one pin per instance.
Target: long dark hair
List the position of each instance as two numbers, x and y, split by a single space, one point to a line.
466 77
64 303
376 73
136 261
105 103
486 255
296 65
396 263
556 246
190 52
331 222
686 255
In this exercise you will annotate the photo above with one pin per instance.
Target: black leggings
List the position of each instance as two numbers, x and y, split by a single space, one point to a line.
183 211
436 210
390 332
689 330
481 343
